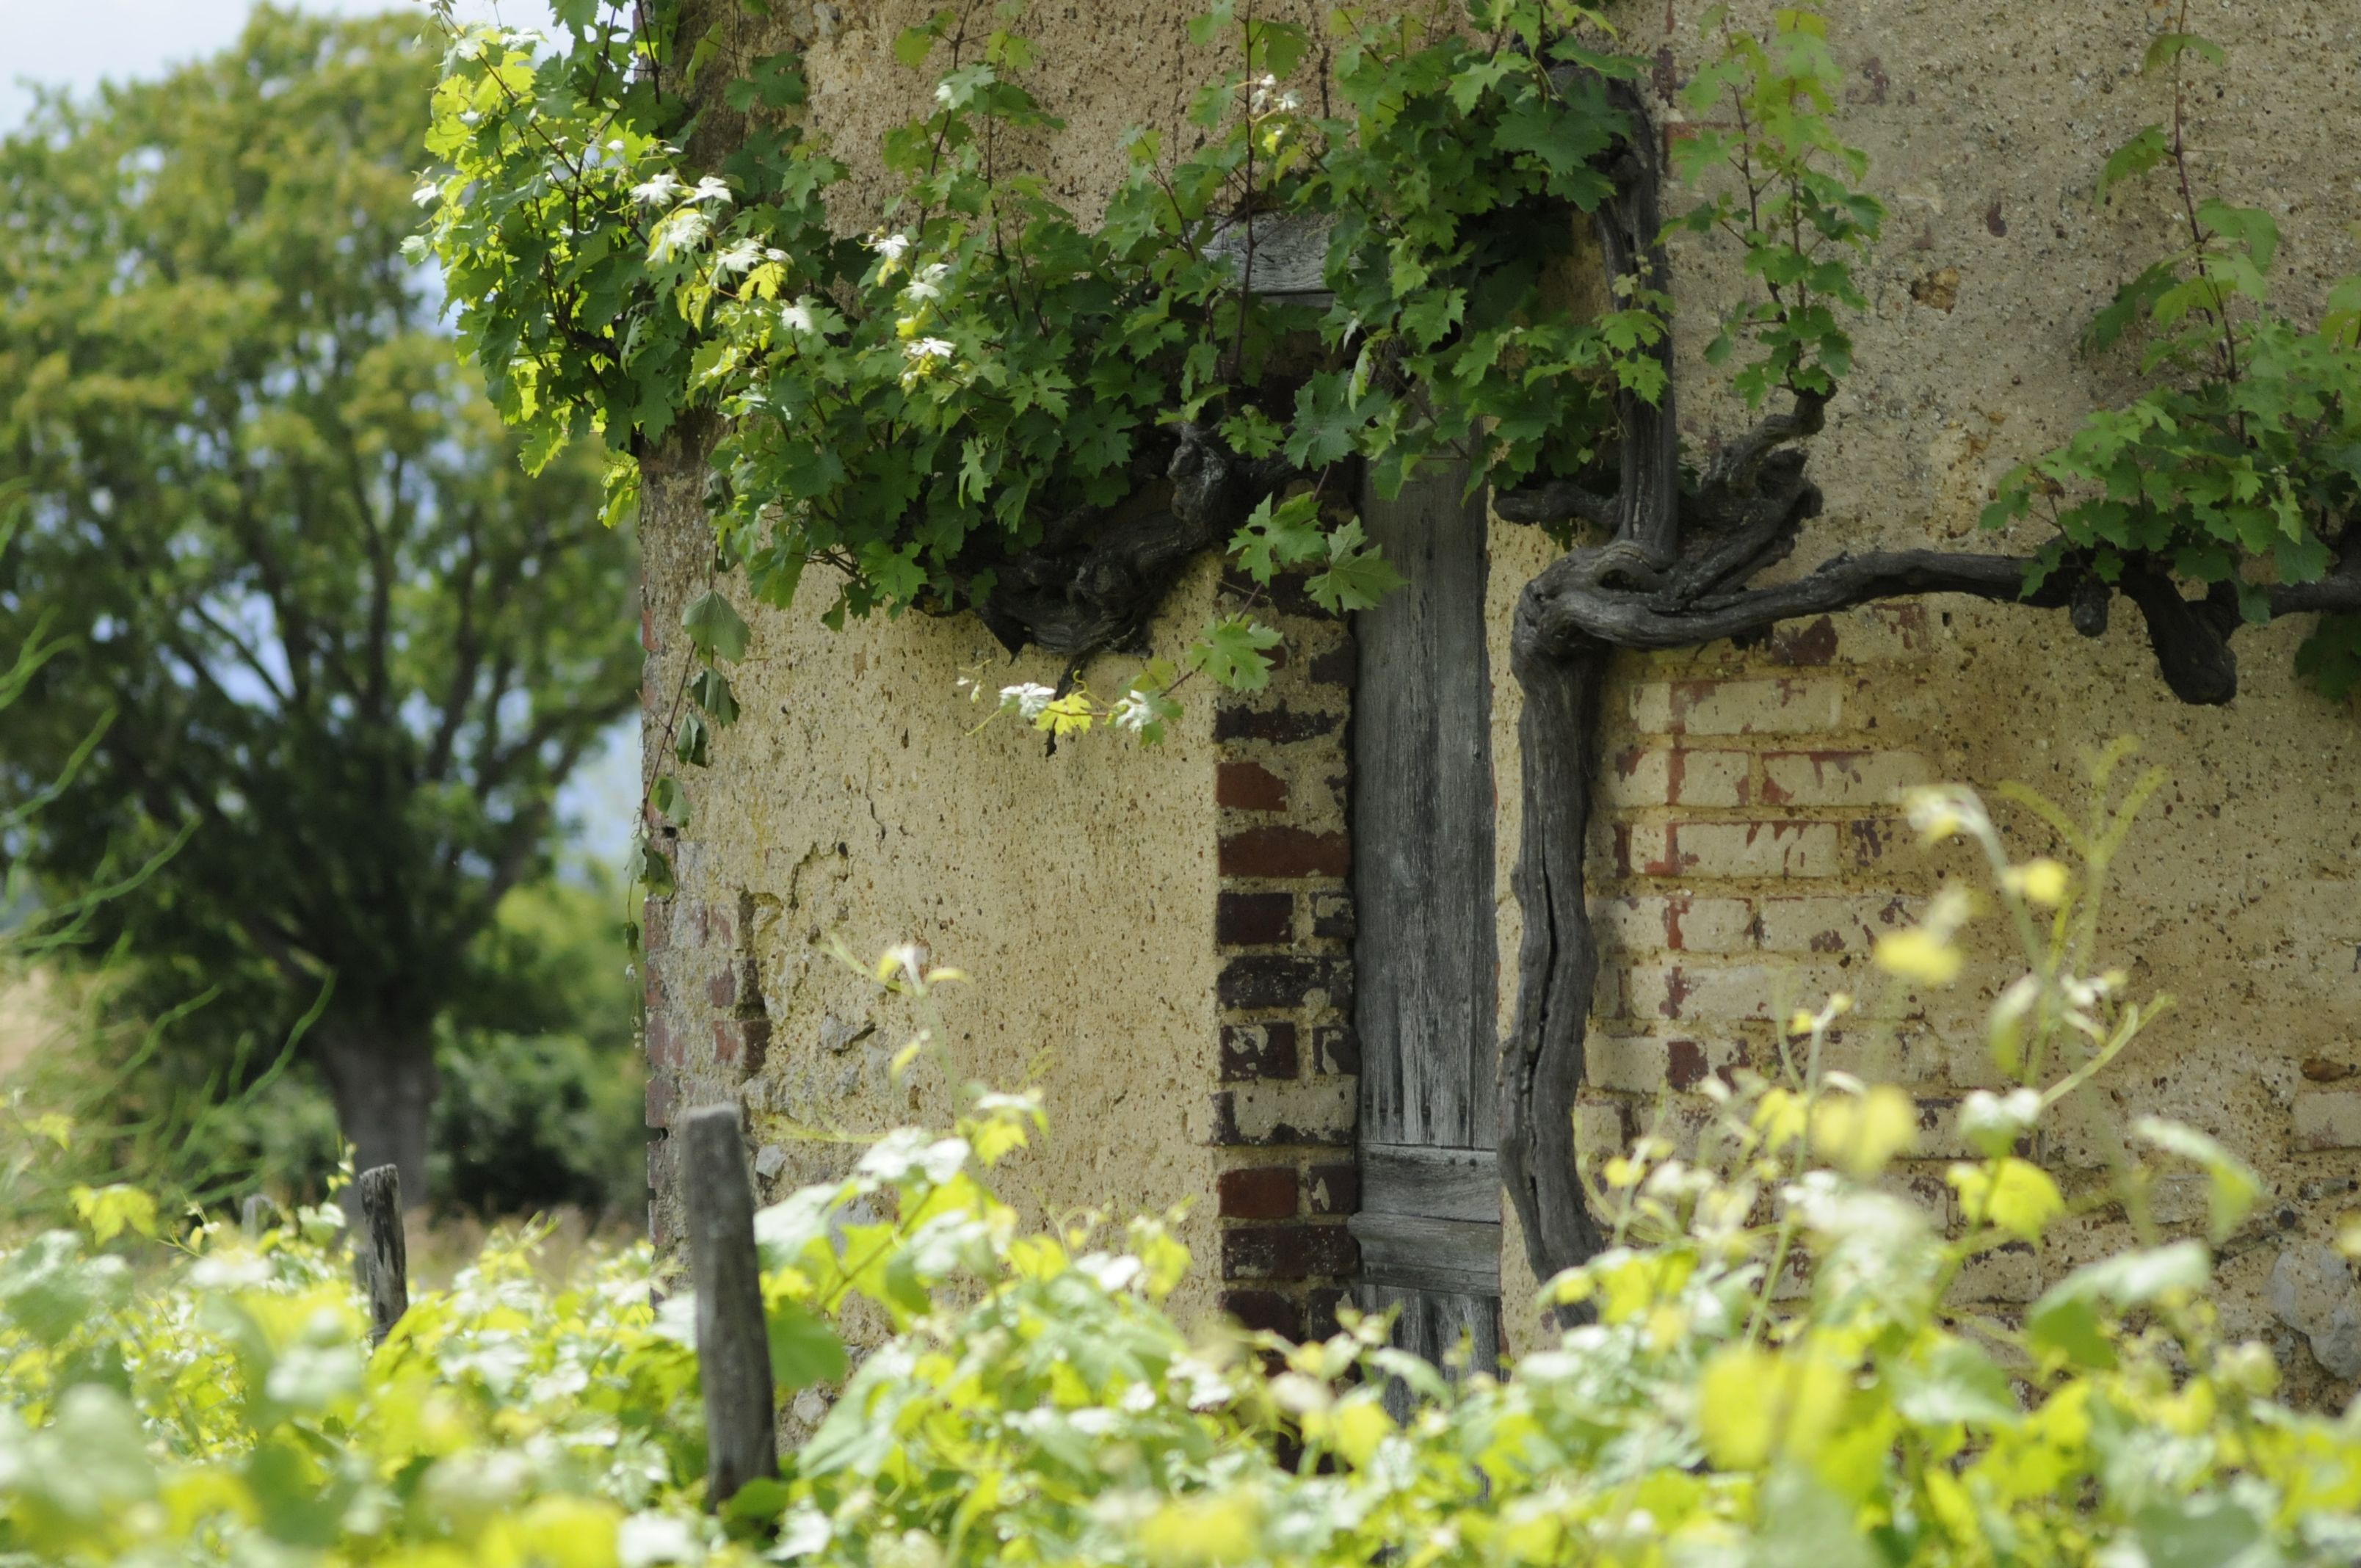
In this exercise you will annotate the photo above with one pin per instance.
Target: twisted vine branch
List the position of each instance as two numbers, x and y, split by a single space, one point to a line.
1099 573
1676 574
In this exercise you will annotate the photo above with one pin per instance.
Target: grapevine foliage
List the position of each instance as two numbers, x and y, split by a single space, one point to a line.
2241 463
985 370
932 408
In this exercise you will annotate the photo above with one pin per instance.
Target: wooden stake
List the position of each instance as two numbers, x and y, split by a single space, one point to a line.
250 1214
385 1256
733 1349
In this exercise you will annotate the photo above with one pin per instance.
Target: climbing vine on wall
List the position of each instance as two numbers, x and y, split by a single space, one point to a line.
985 404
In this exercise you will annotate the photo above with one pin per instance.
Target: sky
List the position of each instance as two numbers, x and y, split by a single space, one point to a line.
77 44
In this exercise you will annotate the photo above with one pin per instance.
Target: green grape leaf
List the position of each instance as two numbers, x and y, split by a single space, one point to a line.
709 689
1230 652
1358 574
775 83
2330 657
714 628
2071 1326
690 742
1956 1383
668 797
1273 537
2167 48
2135 157
804 1349
2201 1532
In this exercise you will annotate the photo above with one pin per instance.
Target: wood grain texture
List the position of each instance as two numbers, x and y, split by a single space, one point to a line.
1284 255
1438 1184
384 1251
1412 1252
1424 959
733 1349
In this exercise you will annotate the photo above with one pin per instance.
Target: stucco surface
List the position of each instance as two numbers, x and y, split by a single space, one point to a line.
852 807
1076 888
1986 131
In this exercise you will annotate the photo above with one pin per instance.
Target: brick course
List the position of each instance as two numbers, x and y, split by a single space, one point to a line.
1287 1056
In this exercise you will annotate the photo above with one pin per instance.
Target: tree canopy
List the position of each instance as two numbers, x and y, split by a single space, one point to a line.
339 629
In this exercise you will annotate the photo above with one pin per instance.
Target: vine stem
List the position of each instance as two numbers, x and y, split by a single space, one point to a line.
2197 232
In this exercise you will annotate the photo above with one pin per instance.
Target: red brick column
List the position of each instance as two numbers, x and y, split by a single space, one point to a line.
707 1030
1282 1121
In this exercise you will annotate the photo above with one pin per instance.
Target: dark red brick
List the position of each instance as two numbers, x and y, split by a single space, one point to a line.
1266 1192
1265 1310
1249 786
721 925
1273 980
1288 1251
1254 919
1336 1049
1815 643
1320 1313
1282 724
1258 1050
663 1045
1333 1188
1286 853
742 1042
1684 1063
660 1092
1340 666
655 926
722 989
1331 916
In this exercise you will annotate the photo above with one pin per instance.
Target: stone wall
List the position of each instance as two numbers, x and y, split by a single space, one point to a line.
1169 928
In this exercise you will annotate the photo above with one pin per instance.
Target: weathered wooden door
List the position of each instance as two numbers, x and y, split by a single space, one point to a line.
1425 960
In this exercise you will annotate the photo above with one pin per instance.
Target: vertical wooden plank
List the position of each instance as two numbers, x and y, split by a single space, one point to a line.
1425 965
733 1347
385 1251
1425 968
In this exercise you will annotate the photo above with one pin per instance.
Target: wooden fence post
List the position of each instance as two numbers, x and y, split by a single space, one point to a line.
384 1262
733 1347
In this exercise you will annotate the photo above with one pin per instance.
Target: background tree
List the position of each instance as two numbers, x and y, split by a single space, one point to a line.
341 632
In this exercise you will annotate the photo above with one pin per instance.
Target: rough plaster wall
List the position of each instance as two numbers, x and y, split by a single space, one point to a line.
1986 127
852 804
1748 834
1106 66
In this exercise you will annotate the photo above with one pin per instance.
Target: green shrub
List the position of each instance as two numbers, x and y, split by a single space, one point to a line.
527 1123
1771 1373
541 1105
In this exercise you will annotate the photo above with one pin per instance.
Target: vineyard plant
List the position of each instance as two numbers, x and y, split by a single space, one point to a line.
1766 1366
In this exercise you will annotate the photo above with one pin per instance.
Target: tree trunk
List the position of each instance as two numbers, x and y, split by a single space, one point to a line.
384 1083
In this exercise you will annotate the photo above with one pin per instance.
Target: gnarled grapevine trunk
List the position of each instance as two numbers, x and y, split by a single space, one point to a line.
1557 963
